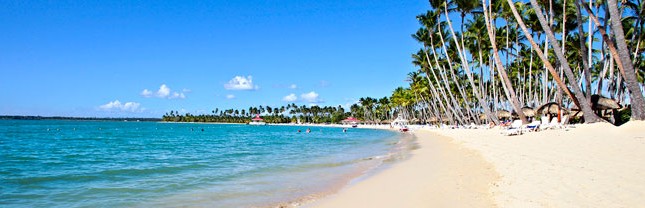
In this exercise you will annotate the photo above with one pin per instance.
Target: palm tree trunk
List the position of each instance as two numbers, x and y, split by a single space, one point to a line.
601 76
443 74
437 94
583 52
443 92
585 106
433 103
510 92
531 79
636 96
545 81
466 67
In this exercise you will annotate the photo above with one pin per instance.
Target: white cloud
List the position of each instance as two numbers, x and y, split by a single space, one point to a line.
165 92
176 95
311 97
290 98
118 106
146 93
240 83
230 96
293 86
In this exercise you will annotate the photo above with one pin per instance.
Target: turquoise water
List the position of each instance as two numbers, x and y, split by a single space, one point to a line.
144 164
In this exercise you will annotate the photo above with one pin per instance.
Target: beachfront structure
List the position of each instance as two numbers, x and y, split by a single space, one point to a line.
257 120
351 121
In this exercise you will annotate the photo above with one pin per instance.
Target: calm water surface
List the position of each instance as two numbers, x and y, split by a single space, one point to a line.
143 164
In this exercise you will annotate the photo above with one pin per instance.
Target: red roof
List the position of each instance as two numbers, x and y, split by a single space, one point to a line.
350 119
257 118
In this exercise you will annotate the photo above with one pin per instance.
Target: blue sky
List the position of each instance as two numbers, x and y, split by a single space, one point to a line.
78 58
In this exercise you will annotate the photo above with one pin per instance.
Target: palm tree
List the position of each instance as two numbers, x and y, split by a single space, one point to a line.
585 106
636 96
508 89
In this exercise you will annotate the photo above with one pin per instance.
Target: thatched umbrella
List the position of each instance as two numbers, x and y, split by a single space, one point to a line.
551 108
576 113
528 111
599 102
503 114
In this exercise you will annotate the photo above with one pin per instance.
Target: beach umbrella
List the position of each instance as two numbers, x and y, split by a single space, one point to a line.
400 120
599 102
576 113
503 114
551 108
528 111
386 121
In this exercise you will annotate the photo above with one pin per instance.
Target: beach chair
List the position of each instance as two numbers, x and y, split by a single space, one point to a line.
553 124
563 123
533 126
545 122
515 129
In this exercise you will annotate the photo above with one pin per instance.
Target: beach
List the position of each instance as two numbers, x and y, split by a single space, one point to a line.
587 165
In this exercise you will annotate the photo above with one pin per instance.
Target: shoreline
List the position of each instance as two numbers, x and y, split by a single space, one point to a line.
463 176
366 169
587 165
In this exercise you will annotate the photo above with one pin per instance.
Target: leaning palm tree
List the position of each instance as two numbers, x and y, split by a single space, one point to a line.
584 104
508 87
636 95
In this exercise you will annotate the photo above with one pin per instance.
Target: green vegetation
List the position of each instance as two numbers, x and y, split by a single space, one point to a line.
505 56
283 114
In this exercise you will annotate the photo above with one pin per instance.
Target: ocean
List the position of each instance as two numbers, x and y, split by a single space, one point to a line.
53 163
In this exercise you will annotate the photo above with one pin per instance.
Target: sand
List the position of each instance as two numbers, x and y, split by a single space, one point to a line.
596 165
438 174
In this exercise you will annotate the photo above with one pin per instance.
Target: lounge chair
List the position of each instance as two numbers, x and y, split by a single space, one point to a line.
553 124
515 129
545 122
533 126
563 123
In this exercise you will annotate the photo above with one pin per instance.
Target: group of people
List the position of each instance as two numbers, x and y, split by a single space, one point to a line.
308 130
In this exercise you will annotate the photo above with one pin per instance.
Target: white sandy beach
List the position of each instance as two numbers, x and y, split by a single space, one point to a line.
595 165
439 174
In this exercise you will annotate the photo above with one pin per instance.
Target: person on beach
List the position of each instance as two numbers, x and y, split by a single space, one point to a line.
299 131
308 130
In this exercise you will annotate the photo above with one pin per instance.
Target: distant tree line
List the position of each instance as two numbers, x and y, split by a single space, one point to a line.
369 110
